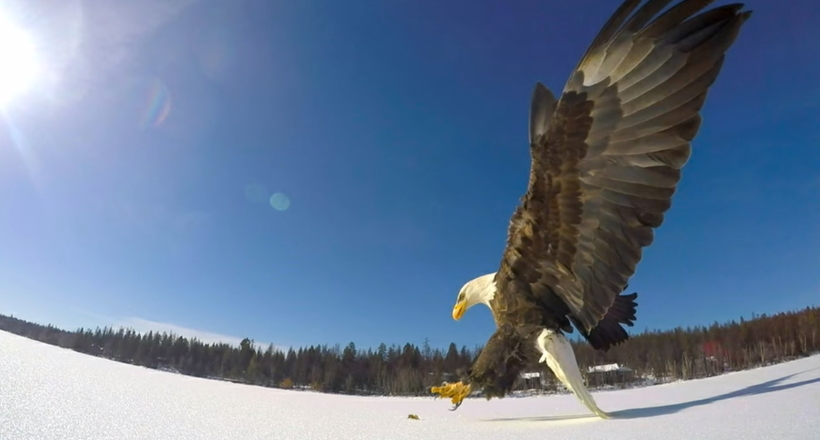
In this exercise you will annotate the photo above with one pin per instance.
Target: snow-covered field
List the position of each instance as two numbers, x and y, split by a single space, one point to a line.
50 393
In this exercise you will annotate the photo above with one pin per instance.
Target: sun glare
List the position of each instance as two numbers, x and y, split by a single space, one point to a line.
18 64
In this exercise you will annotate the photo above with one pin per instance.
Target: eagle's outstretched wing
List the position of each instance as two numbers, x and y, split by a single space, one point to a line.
606 157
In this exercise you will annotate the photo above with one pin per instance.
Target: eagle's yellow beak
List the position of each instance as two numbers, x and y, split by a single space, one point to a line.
458 310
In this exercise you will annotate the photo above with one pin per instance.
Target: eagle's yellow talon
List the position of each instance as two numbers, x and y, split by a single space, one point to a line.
457 391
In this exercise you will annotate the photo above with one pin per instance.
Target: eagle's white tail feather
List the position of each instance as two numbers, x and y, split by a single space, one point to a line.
559 356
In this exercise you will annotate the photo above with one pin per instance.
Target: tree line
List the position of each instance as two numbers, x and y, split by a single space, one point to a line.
660 356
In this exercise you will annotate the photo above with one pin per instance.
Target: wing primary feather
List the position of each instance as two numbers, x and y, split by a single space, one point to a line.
674 16
592 54
647 144
673 74
675 157
634 189
658 176
541 108
653 60
698 28
634 129
651 106
622 43
644 14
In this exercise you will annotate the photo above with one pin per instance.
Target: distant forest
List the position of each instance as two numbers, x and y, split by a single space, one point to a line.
648 357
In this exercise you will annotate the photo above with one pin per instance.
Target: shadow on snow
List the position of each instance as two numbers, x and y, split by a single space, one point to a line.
654 411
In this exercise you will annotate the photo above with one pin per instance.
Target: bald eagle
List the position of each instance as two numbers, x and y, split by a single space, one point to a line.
606 160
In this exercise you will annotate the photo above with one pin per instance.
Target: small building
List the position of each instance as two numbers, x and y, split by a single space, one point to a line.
609 374
532 380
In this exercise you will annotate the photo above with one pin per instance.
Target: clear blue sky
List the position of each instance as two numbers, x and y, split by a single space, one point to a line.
135 172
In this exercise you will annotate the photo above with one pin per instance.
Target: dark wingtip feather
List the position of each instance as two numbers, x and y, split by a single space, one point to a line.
609 332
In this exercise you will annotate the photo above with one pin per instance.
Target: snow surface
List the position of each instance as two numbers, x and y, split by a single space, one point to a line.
47 393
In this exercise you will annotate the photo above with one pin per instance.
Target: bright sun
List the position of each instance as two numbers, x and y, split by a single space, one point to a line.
18 63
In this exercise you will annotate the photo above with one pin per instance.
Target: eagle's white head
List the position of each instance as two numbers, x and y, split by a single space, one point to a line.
478 291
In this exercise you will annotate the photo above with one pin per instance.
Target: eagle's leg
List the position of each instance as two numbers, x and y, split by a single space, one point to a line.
559 356
457 391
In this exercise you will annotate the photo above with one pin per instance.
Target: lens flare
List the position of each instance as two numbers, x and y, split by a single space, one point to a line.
279 201
157 105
